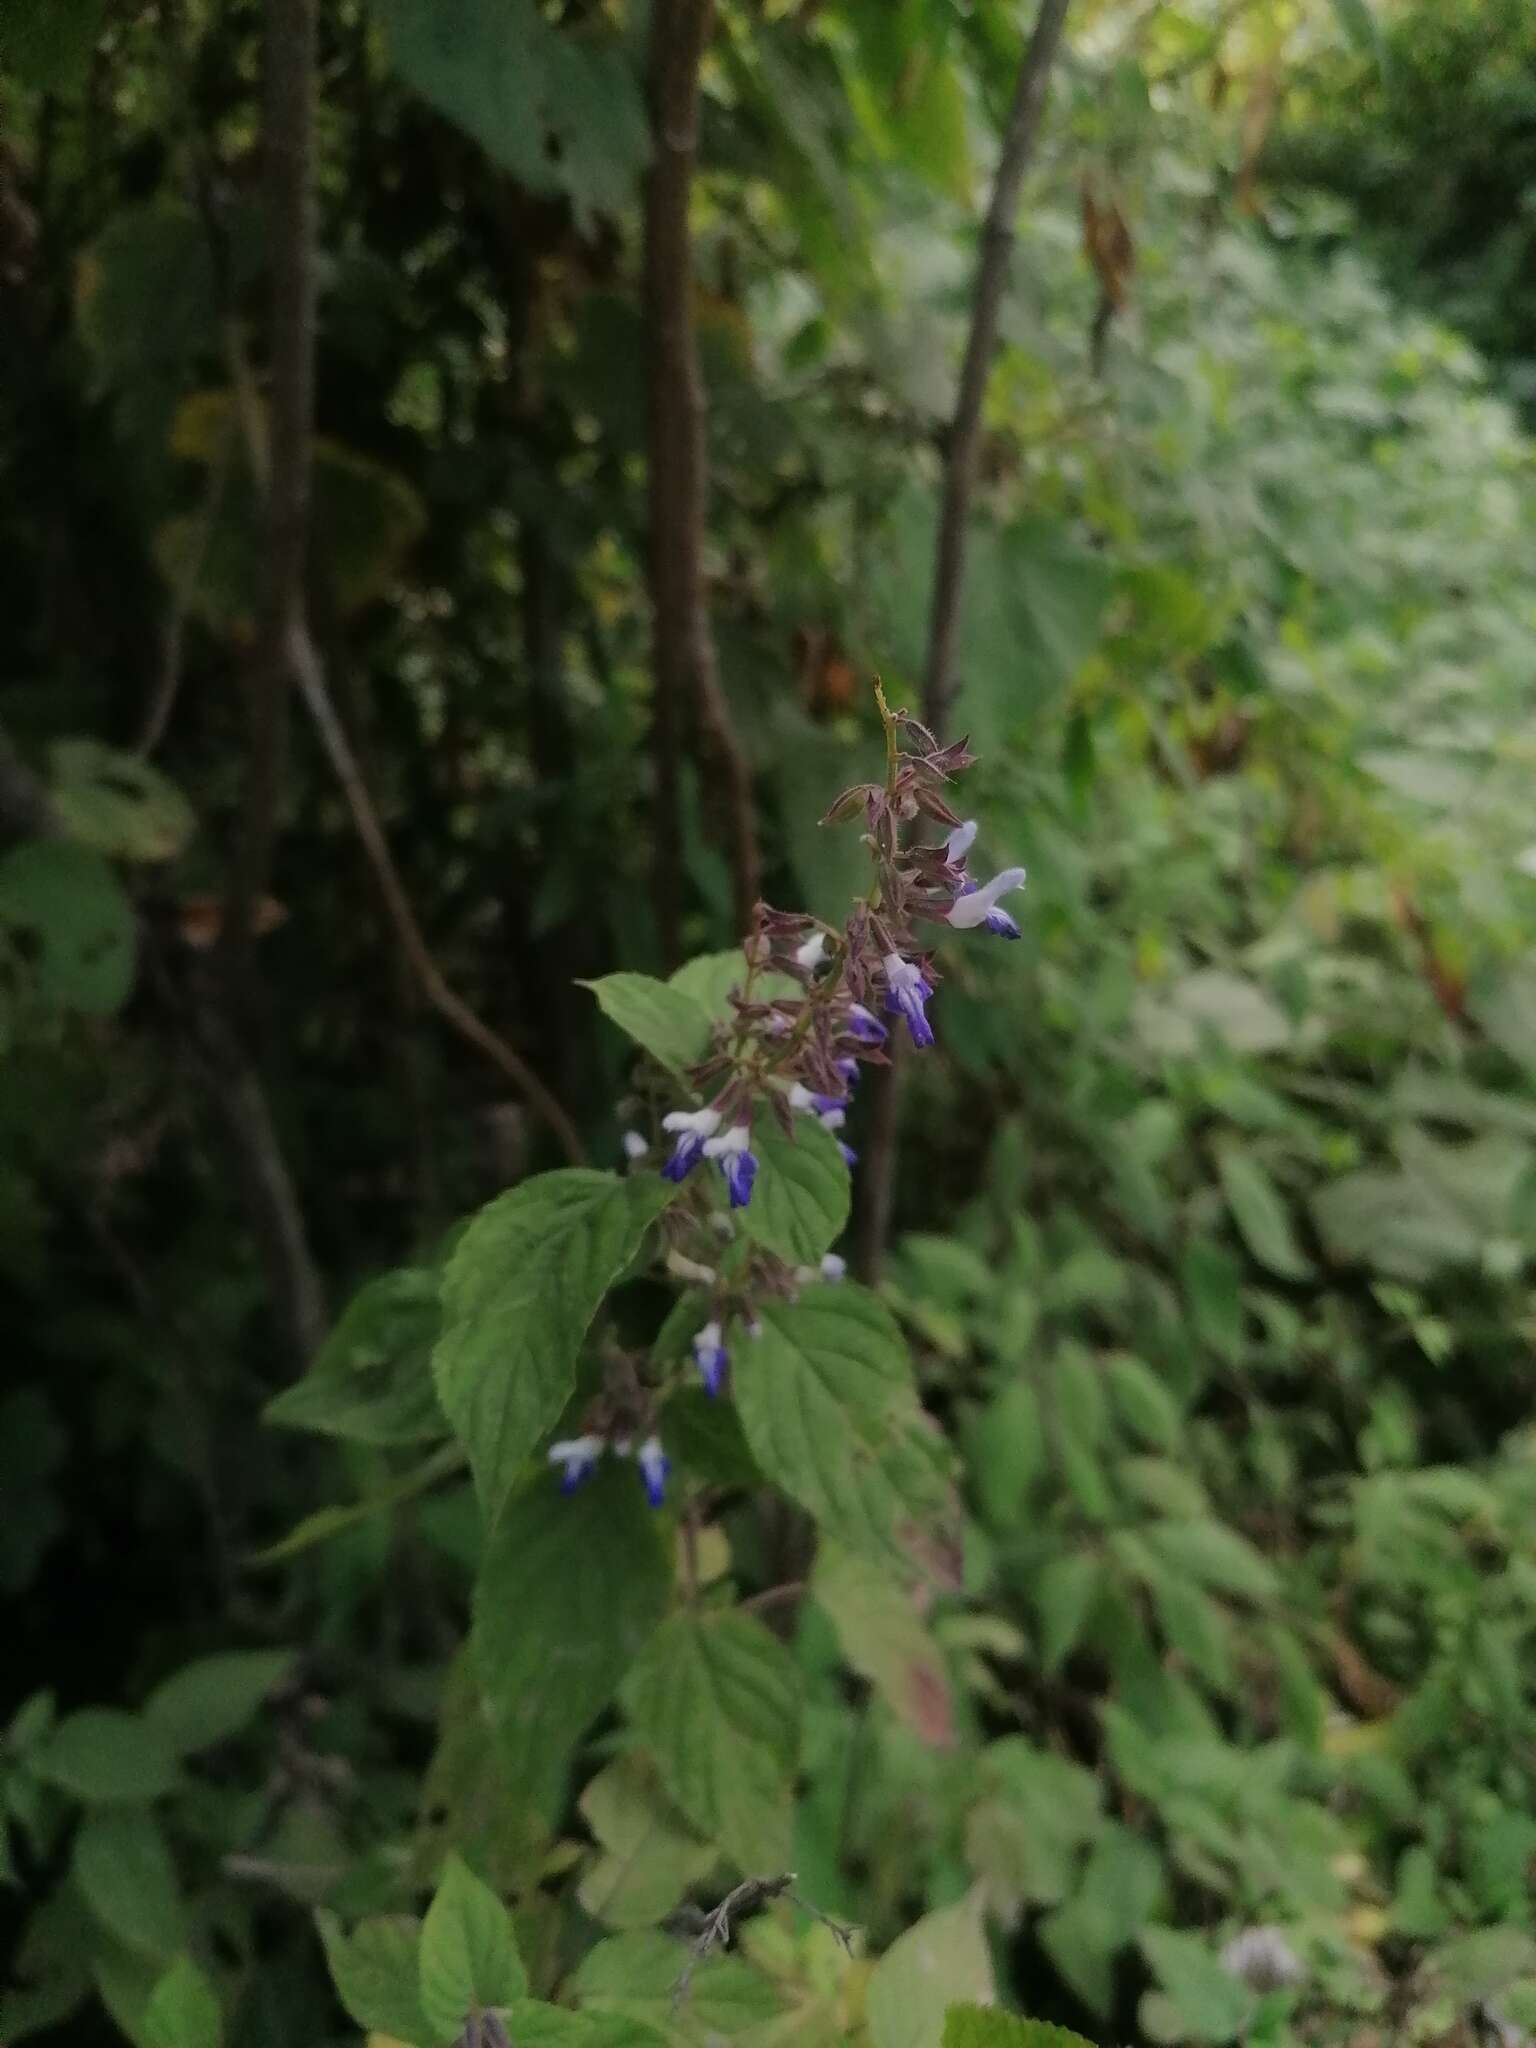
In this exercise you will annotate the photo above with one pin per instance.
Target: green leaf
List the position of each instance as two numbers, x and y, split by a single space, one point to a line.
1065 1590
371 1381
102 1754
648 1857
1213 1285
1215 1555
64 906
884 1639
635 1976
526 1279
214 1698
377 1975
826 1403
716 1699
570 1589
1358 20
1037 1814
118 803
1260 1214
183 2010
1144 1403
983 2026
1212 2005
468 1954
800 1199
126 1877
937 1963
662 1019
561 114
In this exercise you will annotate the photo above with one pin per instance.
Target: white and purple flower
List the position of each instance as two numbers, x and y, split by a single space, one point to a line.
978 906
711 1357
907 989
578 1456
737 1162
959 843
803 1098
654 1466
693 1128
635 1145
812 953
865 1026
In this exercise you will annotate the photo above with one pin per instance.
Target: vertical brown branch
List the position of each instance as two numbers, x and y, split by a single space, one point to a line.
962 447
1019 138
686 671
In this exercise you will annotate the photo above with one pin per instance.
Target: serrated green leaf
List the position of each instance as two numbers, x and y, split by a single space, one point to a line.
215 1697
371 1381
377 1976
118 803
526 1279
716 1699
662 1019
468 1954
570 1589
941 1961
826 1402
1260 1214
125 1875
983 2026
635 1977
183 2010
102 1755
800 1200
1212 2005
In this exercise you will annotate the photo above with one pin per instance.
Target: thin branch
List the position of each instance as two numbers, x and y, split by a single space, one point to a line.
719 1923
684 652
964 443
168 686
287 458
962 448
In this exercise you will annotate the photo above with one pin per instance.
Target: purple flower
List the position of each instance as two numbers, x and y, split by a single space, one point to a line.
848 1067
865 1026
579 1456
693 1127
850 1157
737 1162
834 1266
907 989
975 906
654 1466
801 1097
711 1357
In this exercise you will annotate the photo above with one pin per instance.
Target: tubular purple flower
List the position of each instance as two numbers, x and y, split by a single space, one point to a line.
711 1357
692 1128
973 906
737 1162
850 1157
907 989
848 1067
654 1466
803 1098
578 1455
865 1026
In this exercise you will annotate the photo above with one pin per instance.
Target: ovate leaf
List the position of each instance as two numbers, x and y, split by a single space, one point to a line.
526 1279
940 1962
885 1640
371 1381
799 1204
828 1409
716 1699
1260 1214
210 1700
125 1875
183 2010
117 803
1212 2005
983 2026
571 1587
635 1977
102 1755
376 1973
649 1859
468 1954
662 1019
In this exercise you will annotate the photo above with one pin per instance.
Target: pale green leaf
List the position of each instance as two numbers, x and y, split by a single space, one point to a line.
939 1962
983 2026
648 1859
635 1976
886 1641
1260 1214
377 1976
118 803
468 1953
183 2010
1212 2005
662 1019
